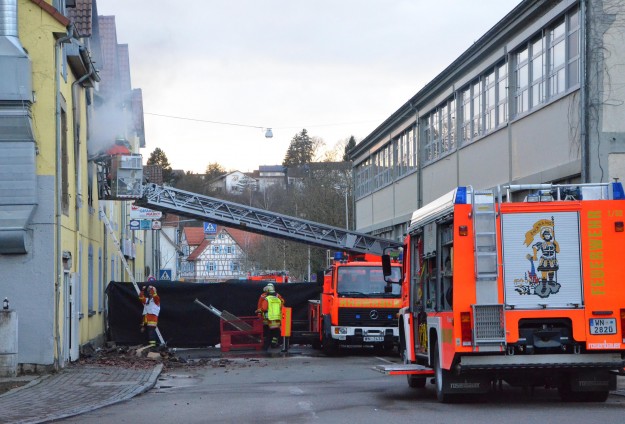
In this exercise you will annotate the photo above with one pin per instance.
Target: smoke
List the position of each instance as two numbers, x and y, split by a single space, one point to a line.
109 122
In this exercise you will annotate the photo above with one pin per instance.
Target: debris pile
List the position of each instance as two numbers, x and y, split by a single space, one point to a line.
138 357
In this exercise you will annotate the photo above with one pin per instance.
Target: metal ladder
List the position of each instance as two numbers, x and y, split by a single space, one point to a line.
489 328
485 233
118 248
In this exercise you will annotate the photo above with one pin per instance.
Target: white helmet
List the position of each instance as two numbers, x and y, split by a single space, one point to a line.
269 288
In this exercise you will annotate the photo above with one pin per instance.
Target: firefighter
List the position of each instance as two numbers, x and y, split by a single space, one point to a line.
151 302
269 308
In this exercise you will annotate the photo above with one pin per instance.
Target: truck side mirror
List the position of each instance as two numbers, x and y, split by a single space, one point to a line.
320 275
386 265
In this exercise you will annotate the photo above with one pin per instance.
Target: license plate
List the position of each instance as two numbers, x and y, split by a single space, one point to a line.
603 326
373 339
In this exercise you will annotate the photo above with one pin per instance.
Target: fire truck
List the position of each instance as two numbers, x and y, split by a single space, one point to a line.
357 308
270 277
529 292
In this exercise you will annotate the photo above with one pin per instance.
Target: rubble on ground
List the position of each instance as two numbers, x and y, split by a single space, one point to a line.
144 357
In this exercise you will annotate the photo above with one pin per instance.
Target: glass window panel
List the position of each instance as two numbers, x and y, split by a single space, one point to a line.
502 113
558 31
537 69
557 55
522 56
574 19
573 73
452 124
522 76
538 93
573 45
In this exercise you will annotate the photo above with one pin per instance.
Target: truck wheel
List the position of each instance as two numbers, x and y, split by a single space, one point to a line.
569 396
329 346
441 377
316 344
413 381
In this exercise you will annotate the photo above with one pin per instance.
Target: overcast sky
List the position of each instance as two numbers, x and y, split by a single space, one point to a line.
335 67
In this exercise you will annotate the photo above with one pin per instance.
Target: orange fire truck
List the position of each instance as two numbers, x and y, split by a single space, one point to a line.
528 292
356 307
270 277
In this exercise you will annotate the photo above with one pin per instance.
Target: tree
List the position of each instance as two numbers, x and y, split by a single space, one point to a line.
158 157
214 170
351 143
192 182
300 151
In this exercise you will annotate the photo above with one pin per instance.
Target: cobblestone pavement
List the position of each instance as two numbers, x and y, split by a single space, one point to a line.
74 390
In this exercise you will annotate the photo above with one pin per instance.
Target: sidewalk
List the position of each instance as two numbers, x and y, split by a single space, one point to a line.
76 389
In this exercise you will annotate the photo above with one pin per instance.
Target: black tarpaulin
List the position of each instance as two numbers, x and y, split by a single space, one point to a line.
184 323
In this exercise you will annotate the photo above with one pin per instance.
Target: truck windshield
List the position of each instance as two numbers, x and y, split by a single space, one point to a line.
366 281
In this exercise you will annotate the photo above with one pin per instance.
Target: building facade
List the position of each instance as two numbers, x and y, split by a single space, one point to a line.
55 254
217 255
234 182
538 98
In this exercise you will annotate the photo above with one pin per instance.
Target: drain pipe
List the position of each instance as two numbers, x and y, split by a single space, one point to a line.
584 137
75 114
59 256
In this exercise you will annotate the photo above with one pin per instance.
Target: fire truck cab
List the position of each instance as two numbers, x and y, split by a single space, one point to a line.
357 308
529 292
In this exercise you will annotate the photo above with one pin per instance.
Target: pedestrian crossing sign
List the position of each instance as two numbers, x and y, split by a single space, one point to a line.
164 274
210 228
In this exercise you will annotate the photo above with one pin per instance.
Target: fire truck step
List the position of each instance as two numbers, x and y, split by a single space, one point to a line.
403 369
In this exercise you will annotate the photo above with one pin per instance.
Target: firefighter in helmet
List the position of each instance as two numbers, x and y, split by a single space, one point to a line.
151 302
269 308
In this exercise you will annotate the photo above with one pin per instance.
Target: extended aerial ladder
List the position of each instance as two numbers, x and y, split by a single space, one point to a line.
247 218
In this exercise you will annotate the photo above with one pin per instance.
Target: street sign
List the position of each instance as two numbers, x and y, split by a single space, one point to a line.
164 274
156 224
137 212
135 224
210 228
146 224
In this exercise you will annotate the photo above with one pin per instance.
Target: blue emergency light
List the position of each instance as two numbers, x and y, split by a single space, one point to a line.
617 191
461 196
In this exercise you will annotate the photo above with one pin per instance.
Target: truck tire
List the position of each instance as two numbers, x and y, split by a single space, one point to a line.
414 381
316 343
441 377
329 346
567 395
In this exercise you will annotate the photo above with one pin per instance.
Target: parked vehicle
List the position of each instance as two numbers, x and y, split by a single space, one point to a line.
357 308
529 292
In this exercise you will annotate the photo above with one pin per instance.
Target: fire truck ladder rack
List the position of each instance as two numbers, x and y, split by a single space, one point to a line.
489 316
234 215
118 249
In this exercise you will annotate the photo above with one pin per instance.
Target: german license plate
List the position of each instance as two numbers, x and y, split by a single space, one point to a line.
603 326
373 339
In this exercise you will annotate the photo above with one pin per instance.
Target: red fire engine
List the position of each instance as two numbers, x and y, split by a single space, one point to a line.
528 292
270 277
357 307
